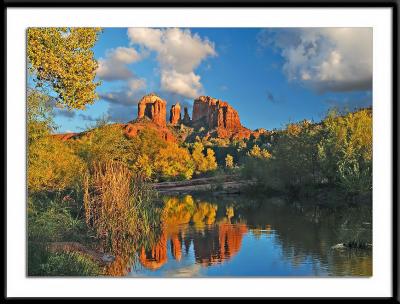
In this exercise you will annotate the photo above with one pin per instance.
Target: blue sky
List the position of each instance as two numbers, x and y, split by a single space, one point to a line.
270 76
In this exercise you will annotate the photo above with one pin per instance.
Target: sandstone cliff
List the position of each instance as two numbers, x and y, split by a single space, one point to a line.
175 114
154 108
218 116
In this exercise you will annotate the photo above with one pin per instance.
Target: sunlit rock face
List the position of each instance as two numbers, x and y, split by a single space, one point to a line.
215 113
175 114
130 130
218 115
154 108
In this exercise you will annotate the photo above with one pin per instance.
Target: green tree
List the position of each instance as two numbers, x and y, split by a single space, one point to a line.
61 59
345 149
39 115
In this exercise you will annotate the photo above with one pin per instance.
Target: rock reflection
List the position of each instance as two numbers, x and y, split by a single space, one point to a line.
213 241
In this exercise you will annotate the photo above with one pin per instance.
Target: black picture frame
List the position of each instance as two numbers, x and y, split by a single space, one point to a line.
393 5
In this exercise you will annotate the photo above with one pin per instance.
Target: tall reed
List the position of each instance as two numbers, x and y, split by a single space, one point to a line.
119 204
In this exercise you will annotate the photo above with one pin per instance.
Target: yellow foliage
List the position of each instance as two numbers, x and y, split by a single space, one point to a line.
229 161
62 59
174 162
203 163
204 214
52 165
257 152
211 161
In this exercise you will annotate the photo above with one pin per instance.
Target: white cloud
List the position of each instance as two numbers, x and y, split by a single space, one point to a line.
324 59
179 53
187 85
114 66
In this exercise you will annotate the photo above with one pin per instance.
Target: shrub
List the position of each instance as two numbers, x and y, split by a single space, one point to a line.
53 165
337 151
52 222
69 264
108 143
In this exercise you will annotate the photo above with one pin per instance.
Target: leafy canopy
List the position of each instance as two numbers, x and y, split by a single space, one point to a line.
61 59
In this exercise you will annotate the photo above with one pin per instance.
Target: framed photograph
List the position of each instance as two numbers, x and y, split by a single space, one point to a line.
209 151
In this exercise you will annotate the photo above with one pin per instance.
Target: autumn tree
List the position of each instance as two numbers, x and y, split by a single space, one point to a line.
174 162
229 161
257 152
211 160
203 163
52 164
39 115
61 60
345 149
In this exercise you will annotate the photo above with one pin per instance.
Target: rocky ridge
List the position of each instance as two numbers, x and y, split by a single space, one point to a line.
211 117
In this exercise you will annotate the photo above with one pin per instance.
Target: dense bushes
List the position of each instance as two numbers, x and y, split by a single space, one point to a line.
337 151
53 166
145 153
69 264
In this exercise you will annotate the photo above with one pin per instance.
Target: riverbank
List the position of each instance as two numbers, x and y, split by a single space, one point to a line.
222 184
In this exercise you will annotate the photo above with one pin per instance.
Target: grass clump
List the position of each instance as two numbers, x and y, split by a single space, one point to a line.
69 264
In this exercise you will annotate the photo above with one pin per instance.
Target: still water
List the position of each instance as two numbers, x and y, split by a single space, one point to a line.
239 236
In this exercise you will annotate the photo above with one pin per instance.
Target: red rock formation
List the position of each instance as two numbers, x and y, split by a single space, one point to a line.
221 119
256 133
154 108
175 114
218 115
132 129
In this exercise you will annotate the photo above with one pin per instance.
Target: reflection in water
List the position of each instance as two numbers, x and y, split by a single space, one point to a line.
212 242
246 237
